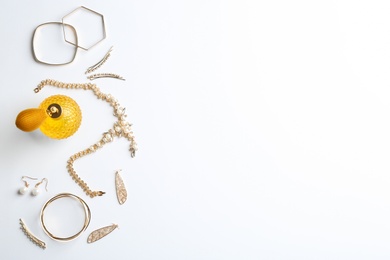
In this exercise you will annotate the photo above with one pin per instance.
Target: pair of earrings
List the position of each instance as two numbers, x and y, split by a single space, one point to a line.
36 190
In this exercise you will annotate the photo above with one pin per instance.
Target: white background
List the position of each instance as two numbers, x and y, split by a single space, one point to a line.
263 130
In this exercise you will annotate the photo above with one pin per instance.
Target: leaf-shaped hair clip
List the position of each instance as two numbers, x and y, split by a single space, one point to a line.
100 233
121 191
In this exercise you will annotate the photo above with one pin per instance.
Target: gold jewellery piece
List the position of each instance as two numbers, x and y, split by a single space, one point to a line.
105 75
70 33
87 213
36 191
99 63
121 128
78 14
32 238
24 189
121 192
73 30
100 233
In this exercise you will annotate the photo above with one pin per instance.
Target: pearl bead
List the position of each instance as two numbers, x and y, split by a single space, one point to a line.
35 192
22 190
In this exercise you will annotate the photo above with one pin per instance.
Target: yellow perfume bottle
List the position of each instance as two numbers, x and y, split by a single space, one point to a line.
57 117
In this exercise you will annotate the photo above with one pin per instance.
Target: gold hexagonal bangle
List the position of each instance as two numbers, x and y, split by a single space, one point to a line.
75 13
36 57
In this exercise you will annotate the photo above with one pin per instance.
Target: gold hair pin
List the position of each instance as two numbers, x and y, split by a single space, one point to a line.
32 238
99 63
105 75
121 191
100 233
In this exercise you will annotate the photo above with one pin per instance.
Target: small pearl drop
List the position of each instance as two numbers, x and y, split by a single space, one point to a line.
22 190
35 192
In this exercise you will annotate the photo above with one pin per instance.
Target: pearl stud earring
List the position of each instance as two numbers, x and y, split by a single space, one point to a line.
24 189
36 191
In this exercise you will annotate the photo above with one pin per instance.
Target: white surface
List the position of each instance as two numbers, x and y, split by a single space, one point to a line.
263 130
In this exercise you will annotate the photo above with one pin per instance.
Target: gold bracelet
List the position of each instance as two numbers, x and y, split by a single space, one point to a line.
86 211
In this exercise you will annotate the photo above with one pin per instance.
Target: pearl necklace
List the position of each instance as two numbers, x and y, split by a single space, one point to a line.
121 128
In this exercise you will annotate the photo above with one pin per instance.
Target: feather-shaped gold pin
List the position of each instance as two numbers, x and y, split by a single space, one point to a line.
121 191
100 233
33 238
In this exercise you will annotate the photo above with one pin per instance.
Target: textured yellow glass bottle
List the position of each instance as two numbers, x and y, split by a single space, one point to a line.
57 117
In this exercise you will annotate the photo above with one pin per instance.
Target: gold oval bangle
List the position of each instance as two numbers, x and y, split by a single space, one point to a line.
87 212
